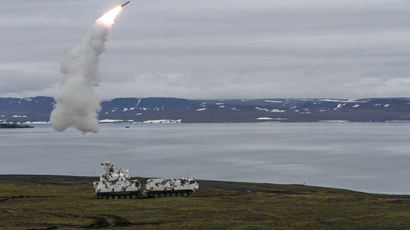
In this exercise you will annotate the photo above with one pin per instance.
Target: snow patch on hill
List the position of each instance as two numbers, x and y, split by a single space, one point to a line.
277 111
273 101
264 118
110 121
271 119
37 123
163 121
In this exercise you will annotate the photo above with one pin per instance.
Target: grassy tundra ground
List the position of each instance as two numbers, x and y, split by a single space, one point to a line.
59 202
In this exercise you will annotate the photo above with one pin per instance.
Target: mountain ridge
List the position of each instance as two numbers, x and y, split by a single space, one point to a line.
136 109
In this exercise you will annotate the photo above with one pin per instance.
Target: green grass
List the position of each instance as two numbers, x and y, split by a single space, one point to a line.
218 205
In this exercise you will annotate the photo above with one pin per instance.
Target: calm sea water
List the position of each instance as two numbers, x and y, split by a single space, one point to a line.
370 157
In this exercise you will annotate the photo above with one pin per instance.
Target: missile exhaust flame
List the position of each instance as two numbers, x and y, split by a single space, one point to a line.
109 17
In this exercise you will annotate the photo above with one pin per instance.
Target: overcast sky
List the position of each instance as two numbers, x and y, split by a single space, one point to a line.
214 48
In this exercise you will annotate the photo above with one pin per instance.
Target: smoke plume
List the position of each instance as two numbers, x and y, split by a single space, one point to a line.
76 103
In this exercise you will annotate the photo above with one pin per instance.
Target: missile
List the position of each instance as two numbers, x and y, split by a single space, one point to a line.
125 4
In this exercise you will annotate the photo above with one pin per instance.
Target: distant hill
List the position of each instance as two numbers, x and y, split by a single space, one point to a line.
37 109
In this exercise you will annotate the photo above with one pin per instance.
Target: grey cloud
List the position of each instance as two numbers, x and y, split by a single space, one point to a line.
217 49
18 77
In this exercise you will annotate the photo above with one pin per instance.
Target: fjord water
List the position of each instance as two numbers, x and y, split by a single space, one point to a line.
369 157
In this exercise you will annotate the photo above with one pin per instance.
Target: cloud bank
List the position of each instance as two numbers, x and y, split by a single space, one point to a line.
217 49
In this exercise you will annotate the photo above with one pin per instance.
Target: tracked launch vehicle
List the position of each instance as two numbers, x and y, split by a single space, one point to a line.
170 187
116 184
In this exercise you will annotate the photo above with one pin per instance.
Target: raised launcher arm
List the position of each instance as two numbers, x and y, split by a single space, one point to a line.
111 174
108 166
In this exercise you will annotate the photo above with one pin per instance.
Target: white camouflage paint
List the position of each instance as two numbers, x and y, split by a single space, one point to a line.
115 181
189 184
117 184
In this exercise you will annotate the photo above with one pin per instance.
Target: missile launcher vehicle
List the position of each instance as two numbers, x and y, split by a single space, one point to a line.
116 184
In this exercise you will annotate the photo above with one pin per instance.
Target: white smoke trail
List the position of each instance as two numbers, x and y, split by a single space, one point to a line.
76 104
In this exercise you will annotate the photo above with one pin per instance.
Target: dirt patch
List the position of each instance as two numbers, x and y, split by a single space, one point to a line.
104 221
148 223
45 228
99 222
2 199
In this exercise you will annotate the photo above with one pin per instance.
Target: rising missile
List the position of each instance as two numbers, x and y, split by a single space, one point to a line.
125 4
